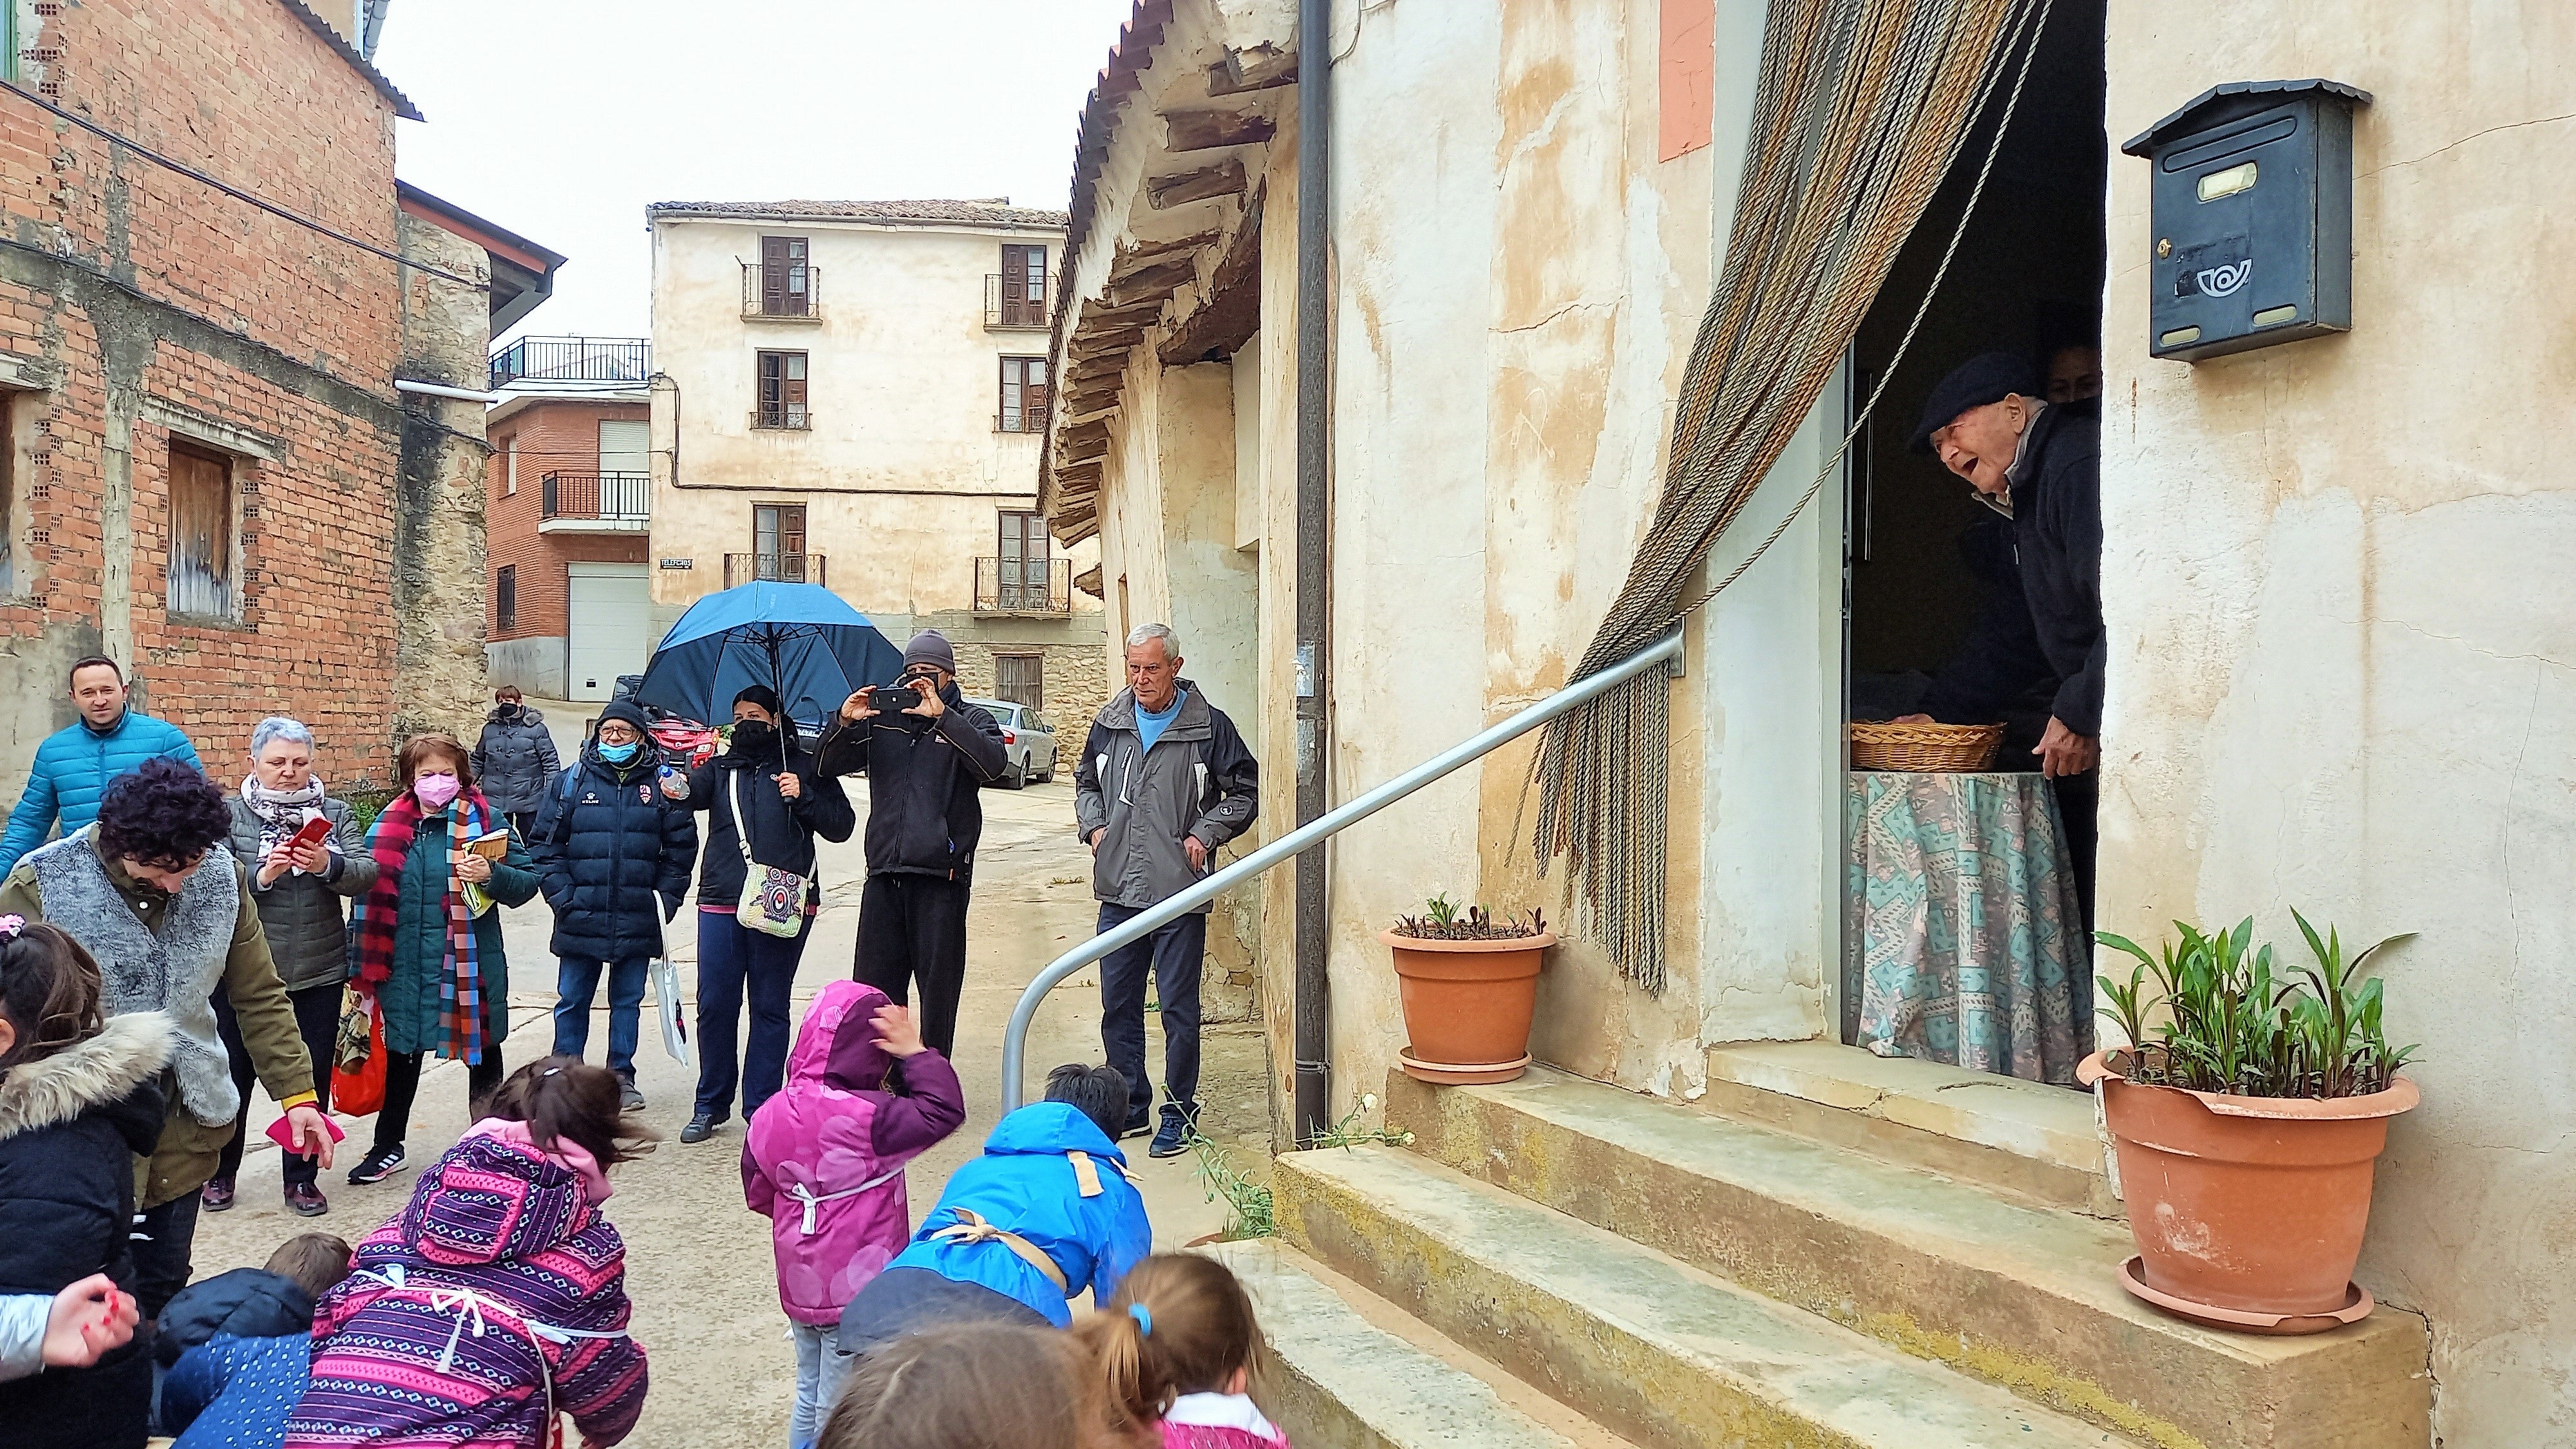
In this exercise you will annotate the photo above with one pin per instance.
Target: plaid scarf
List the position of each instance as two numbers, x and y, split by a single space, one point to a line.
371 924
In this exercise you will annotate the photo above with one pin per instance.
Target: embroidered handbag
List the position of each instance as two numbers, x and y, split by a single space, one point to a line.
773 900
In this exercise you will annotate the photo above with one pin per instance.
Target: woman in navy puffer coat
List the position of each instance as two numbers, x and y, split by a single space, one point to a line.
613 859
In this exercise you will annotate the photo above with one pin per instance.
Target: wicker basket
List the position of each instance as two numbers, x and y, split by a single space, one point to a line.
1924 749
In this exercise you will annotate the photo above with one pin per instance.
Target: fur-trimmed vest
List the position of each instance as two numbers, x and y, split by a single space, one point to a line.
176 971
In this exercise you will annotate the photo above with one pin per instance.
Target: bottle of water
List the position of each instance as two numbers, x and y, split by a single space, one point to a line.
675 782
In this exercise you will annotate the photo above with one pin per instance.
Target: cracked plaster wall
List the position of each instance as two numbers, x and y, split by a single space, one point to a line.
2344 634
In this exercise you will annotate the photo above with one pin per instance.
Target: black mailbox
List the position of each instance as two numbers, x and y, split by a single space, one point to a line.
2252 210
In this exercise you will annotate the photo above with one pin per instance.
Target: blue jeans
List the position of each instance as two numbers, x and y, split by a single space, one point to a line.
821 1368
1174 954
734 961
576 982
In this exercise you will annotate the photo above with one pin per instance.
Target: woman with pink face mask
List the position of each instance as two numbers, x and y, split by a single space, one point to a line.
417 942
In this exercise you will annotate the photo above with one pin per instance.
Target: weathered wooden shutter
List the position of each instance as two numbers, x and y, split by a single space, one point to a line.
201 534
773 275
1033 396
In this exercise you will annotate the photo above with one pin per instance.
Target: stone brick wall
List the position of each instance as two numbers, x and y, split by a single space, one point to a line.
1074 679
138 306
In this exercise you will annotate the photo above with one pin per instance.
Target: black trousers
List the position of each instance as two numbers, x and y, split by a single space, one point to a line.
913 927
402 1086
160 1241
317 1020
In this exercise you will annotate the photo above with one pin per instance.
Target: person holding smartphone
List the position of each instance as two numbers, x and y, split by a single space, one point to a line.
924 761
307 858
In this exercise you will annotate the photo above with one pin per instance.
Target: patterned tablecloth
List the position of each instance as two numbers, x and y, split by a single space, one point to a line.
1963 911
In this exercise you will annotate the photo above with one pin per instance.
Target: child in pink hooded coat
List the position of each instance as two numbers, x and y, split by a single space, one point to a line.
824 1162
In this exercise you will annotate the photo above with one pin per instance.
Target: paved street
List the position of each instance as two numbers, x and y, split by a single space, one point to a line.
699 1263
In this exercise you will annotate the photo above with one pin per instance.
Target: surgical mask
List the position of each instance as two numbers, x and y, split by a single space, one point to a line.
436 790
620 754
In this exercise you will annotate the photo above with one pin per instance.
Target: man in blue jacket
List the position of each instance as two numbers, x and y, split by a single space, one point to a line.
74 765
1045 1213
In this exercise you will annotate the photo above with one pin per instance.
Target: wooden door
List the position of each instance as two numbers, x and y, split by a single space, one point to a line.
783 289
1023 562
778 541
201 534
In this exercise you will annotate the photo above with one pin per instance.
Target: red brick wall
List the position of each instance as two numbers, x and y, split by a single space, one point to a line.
132 285
550 435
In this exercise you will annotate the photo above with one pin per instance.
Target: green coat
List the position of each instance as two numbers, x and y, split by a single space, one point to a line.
410 996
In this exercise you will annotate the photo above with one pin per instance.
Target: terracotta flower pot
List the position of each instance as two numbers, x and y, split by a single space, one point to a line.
1467 1005
2248 1211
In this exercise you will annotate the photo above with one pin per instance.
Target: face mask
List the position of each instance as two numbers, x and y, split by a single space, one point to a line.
509 709
753 734
436 790
620 754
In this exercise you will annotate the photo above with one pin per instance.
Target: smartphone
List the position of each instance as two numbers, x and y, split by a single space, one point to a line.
892 698
315 831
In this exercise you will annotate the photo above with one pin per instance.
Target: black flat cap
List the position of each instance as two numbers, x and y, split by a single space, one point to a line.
1985 378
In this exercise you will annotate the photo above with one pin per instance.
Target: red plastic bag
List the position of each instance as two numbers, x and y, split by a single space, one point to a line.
358 1072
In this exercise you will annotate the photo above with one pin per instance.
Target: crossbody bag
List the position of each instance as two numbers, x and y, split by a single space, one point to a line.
773 900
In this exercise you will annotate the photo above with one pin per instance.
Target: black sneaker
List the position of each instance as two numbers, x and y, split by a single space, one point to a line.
701 1127
1174 1138
1137 1126
628 1098
382 1163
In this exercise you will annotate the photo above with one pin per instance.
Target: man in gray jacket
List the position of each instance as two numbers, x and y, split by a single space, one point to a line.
1165 779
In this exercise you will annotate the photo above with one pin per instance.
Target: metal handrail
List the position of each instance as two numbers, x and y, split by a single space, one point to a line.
1015 1039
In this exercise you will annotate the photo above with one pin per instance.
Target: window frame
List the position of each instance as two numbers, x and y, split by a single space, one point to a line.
1024 305
227 536
787 409
1021 405
794 272
505 599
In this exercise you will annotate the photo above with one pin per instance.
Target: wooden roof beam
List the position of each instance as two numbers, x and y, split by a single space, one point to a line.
1215 130
1223 179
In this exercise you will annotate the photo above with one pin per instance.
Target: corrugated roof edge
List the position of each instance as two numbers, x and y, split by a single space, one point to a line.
341 46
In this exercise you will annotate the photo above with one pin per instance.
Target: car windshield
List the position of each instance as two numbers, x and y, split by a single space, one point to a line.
1003 714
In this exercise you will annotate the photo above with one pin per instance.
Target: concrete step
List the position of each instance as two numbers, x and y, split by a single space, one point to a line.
1351 1372
1635 1340
2025 1137
1989 1283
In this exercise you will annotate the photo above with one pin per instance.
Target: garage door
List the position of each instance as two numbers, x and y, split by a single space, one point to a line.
611 625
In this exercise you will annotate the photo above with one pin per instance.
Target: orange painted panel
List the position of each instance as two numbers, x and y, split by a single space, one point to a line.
1686 70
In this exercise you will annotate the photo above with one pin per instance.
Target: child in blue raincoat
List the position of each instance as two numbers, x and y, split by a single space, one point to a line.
1045 1213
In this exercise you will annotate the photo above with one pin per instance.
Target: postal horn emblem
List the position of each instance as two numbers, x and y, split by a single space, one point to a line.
2223 281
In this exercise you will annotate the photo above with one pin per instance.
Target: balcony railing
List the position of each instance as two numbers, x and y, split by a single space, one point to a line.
623 501
792 293
1013 314
1021 419
589 360
1025 587
788 417
777 568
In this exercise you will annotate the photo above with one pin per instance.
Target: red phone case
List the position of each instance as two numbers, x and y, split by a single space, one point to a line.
315 831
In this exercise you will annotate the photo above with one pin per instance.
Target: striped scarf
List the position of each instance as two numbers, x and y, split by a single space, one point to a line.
371 924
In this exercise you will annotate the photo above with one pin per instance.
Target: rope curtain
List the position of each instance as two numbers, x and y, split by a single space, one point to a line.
1860 109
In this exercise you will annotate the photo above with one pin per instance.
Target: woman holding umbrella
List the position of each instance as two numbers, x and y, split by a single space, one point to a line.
765 804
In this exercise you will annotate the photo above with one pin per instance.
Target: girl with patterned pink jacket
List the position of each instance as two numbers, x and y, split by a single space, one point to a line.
1176 1345
496 1301
824 1160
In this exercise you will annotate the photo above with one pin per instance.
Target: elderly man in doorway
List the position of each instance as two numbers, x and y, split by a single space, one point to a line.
74 764
1165 780
2040 465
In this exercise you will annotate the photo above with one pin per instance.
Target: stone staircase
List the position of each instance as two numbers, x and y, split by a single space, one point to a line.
1556 1262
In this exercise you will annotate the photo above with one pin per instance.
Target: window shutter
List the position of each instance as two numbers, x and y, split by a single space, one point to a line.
1033 397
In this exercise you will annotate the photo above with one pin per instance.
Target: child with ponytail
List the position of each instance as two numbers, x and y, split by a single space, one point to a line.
1176 1347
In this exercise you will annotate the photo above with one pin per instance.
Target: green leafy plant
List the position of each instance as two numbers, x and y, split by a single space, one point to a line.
1442 921
1348 1133
2235 1023
1247 1202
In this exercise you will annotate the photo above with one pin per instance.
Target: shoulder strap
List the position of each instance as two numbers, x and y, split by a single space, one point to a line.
741 827
970 1227
570 781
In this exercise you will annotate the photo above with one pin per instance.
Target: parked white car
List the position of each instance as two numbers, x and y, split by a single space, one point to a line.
1028 741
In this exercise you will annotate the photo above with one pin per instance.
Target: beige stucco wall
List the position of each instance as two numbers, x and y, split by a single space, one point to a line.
901 472
2343 674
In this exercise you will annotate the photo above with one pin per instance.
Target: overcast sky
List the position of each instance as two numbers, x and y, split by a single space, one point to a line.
561 119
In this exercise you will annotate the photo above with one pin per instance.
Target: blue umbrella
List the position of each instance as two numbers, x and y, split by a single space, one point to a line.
802 640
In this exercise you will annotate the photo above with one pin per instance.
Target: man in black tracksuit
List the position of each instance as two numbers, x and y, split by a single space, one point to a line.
2039 465
924 765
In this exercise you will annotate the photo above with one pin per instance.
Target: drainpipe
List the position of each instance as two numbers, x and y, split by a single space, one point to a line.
440 389
1314 478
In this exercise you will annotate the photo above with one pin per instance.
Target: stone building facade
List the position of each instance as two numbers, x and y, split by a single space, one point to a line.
210 473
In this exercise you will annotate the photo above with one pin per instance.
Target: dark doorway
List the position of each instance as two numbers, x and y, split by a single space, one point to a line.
2027 279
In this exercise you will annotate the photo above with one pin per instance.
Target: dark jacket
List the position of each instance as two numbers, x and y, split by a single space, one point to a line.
782 832
308 929
410 996
2057 533
246 1303
924 815
514 760
1197 780
1999 673
613 856
71 1126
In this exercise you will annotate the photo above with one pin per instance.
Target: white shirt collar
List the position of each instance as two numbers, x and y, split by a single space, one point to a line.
1221 1411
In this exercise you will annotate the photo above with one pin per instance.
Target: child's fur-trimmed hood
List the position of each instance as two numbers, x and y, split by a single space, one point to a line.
128 1052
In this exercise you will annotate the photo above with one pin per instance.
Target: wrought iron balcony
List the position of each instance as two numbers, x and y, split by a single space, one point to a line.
786 417
1024 419
1013 314
596 503
588 361
778 568
789 293
1033 587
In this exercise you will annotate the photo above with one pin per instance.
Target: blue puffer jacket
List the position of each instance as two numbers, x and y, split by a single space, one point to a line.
73 767
612 856
1026 1184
